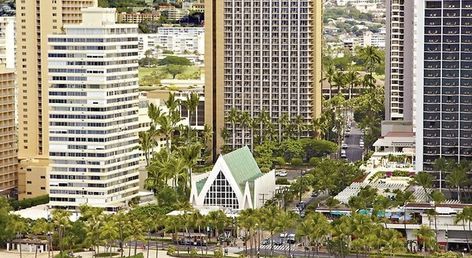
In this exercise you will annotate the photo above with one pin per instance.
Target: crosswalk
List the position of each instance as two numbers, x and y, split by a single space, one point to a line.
284 247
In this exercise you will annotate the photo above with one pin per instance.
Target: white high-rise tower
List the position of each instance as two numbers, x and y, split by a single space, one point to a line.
93 98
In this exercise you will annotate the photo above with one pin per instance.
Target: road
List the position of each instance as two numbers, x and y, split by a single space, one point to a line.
354 151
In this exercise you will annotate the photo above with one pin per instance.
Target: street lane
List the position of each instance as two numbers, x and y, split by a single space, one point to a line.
354 151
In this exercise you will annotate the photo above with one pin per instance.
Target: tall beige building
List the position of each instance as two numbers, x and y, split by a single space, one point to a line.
35 20
261 55
8 158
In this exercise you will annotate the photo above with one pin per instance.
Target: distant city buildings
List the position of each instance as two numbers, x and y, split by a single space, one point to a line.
261 56
36 20
175 39
138 17
93 118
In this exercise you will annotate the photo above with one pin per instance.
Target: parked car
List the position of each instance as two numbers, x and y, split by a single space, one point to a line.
283 235
314 194
344 145
281 173
343 154
291 239
278 242
265 241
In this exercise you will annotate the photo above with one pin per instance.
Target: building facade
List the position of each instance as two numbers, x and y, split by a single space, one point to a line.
399 59
37 19
261 56
444 68
7 42
93 118
8 145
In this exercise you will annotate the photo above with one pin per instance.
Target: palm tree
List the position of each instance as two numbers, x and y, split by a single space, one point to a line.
425 180
154 113
190 154
191 103
300 124
465 216
426 237
437 198
61 222
158 171
166 127
284 123
331 203
109 232
329 77
18 225
352 79
270 219
457 179
94 219
124 227
146 144
321 229
440 164
248 220
178 167
371 57
234 117
339 80
217 221
263 120
304 230
246 122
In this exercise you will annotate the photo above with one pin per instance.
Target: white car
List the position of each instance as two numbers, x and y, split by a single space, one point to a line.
343 154
281 173
344 145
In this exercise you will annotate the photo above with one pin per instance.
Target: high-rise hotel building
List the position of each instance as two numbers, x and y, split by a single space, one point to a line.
261 55
93 112
399 60
35 20
444 103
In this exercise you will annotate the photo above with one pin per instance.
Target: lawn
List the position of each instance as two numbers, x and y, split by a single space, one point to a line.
152 76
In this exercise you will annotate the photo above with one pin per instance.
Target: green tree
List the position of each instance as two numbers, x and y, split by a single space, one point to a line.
427 238
248 220
109 232
175 60
264 155
146 144
190 154
175 70
61 223
191 103
465 216
425 181
440 164
458 177
93 219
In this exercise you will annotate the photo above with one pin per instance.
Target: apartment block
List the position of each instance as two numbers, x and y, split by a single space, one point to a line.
8 146
261 56
399 59
94 112
35 20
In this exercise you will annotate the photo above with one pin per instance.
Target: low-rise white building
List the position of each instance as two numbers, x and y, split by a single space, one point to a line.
175 39
235 182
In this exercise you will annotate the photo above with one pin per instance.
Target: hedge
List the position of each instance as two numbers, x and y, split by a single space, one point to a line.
27 203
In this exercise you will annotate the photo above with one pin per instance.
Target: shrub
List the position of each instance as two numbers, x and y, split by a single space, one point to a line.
27 203
280 161
282 181
171 250
218 253
297 162
194 252
313 161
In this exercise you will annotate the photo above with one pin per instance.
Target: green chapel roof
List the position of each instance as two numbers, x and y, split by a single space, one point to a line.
242 165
